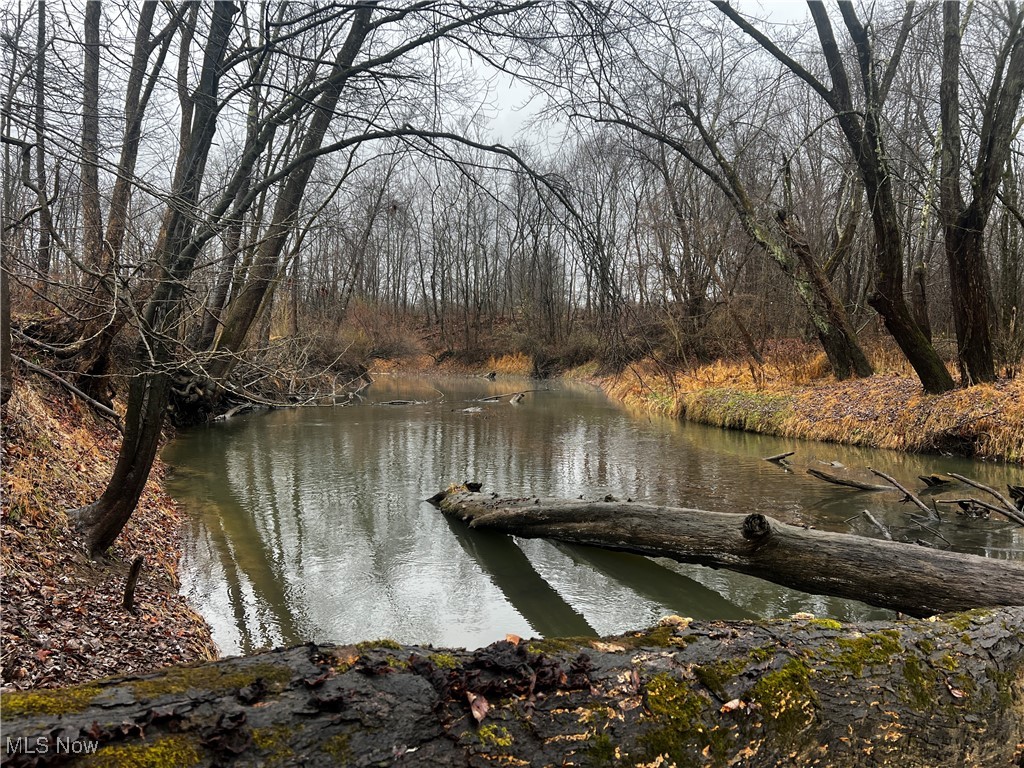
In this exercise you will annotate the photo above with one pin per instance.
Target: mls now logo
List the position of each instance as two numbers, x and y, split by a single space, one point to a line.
41 745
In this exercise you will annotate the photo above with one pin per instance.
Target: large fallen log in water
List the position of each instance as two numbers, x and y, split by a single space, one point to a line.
910 578
798 692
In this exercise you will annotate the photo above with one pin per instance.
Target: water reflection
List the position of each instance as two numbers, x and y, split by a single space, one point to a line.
308 524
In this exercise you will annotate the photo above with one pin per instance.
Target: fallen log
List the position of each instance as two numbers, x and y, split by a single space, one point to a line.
904 577
836 480
795 692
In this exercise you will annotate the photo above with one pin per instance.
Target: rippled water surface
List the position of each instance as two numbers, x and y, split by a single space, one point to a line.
309 524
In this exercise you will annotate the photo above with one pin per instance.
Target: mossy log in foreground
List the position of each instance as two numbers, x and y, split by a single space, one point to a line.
948 692
910 578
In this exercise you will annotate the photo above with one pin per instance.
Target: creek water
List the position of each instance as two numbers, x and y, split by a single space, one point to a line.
310 524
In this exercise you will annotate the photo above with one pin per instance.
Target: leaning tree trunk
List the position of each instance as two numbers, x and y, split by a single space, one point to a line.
799 692
905 577
103 519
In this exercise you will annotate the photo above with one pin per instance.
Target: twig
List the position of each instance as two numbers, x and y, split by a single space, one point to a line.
496 398
1011 511
980 503
829 478
130 584
878 525
908 496
108 413
932 531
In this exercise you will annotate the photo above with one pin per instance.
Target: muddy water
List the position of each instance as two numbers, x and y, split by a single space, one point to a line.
309 524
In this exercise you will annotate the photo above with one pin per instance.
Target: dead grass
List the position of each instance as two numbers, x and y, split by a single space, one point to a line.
63 620
789 399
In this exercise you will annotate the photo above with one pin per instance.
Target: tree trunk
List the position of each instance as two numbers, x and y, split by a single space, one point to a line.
836 333
242 311
92 218
45 214
904 577
970 302
799 692
104 519
919 299
6 369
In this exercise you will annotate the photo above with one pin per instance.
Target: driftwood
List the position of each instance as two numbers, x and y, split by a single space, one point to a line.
1009 510
881 528
836 480
905 577
515 396
797 692
907 495
934 481
779 458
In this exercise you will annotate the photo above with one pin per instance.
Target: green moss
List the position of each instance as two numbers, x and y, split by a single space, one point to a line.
679 731
495 736
339 748
920 683
661 636
714 676
275 742
554 645
443 660
601 751
927 646
786 698
948 662
209 678
762 654
961 622
177 750
47 701
1004 686
875 649
824 623
369 645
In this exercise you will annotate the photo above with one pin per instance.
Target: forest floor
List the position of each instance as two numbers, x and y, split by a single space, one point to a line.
63 620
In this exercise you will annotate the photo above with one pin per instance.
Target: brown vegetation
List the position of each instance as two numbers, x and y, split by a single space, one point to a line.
63 617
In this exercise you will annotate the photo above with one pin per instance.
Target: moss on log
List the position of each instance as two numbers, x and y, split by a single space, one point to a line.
797 692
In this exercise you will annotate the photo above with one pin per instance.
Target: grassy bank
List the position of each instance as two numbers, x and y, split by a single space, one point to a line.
793 395
63 618
888 410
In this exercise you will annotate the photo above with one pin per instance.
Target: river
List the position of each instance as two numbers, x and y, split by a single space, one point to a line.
309 523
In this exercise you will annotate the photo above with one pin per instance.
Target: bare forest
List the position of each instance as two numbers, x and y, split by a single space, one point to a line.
198 198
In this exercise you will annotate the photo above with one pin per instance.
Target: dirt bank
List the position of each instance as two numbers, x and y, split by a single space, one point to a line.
63 620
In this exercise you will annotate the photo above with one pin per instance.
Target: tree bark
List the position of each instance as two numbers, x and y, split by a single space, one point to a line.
964 222
40 127
799 692
862 129
92 217
904 577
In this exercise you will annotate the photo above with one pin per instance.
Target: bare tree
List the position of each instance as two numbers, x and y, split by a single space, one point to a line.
965 221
